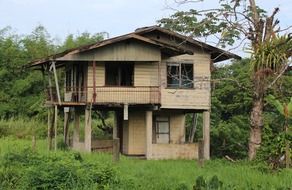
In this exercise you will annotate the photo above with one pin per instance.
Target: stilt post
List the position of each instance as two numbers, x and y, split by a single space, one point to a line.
206 134
148 119
56 127
66 125
76 132
201 152
116 149
87 129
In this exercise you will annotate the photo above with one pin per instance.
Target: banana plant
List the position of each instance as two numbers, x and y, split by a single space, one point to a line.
284 109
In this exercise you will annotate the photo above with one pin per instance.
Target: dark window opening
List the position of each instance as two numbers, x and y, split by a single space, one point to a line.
161 131
119 74
180 75
68 80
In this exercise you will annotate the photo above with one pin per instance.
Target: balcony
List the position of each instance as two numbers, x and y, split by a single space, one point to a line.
106 95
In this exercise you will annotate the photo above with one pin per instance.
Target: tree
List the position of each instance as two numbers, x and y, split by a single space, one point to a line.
84 38
242 21
231 102
21 92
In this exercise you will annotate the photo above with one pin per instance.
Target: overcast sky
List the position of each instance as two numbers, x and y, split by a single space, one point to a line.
117 17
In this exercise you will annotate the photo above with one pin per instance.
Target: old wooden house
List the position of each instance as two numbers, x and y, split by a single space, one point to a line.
150 78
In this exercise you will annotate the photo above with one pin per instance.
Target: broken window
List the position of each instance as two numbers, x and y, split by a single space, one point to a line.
119 74
180 75
161 130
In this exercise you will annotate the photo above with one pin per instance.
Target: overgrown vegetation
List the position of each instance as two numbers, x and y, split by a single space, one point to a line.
22 168
22 115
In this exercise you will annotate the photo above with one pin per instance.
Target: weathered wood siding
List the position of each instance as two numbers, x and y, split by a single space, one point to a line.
99 78
131 50
197 98
177 128
99 74
146 74
135 141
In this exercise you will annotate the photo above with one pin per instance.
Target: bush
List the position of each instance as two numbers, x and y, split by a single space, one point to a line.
29 170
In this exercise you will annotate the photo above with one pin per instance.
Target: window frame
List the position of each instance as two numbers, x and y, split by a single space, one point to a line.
155 129
180 78
119 71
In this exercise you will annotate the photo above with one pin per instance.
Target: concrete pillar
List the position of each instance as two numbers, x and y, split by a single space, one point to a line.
87 130
76 132
148 124
66 125
206 134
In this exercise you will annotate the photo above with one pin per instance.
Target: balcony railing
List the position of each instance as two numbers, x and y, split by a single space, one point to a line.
108 95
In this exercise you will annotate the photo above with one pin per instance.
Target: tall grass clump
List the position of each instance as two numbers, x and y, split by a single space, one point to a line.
22 128
27 169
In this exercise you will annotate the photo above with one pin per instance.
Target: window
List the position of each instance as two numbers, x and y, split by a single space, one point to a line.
180 75
161 130
119 74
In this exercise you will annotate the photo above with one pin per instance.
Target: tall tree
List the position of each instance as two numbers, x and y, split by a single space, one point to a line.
240 21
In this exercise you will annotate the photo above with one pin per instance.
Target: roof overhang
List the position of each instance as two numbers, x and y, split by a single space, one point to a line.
58 57
216 53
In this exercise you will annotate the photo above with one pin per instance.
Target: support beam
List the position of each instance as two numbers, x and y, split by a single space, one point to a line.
115 126
49 129
94 81
206 134
87 130
56 82
148 124
56 126
126 111
50 86
66 125
116 149
201 152
76 132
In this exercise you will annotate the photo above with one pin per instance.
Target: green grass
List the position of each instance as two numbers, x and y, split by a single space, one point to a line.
169 174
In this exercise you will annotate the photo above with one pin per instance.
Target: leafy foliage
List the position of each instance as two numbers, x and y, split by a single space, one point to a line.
231 102
21 92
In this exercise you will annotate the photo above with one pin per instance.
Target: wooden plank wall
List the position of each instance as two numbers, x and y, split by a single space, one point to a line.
146 74
99 77
131 50
137 133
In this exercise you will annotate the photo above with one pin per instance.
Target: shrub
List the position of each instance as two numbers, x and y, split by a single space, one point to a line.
29 170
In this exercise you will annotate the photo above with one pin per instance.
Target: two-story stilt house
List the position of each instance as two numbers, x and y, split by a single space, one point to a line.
151 78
